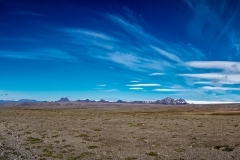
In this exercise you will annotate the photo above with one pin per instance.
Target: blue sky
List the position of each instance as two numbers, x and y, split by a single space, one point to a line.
129 50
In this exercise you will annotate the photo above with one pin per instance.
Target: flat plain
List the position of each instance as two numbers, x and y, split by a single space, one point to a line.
82 131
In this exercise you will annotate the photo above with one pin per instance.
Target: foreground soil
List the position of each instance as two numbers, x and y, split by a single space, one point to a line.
82 131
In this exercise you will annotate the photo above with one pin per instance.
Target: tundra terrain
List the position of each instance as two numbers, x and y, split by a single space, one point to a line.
95 131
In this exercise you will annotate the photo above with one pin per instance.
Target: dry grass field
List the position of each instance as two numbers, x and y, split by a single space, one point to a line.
81 131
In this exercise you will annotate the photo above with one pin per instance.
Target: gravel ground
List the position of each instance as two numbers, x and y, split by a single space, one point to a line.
72 131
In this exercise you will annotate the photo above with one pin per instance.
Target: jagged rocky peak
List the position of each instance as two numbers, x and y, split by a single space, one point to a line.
63 99
168 100
171 101
181 101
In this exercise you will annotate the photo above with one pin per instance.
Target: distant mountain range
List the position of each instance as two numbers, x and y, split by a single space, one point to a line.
21 100
166 101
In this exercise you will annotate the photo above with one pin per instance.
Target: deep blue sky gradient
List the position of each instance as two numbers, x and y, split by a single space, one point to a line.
128 50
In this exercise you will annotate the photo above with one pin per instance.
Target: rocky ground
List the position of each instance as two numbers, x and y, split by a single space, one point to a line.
72 131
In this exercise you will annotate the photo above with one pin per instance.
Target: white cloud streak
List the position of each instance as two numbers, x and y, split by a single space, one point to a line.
223 65
220 88
143 85
136 88
205 75
88 33
217 77
134 62
167 54
135 81
156 74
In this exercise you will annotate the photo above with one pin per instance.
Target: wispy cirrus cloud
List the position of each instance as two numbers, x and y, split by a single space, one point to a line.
205 75
129 13
216 77
136 88
132 28
102 85
229 73
228 66
105 45
166 90
220 88
76 32
167 54
157 74
110 48
134 81
208 25
134 62
144 85
156 48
